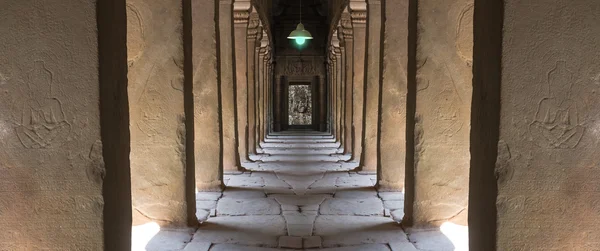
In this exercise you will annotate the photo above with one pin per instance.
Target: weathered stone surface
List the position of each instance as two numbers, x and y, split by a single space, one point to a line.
208 196
359 207
312 242
442 115
170 239
432 239
402 246
353 230
393 96
355 182
202 214
243 193
206 204
197 246
245 230
358 193
397 215
373 84
241 23
207 132
60 70
358 13
252 206
367 247
393 204
385 196
242 181
157 117
534 165
230 247
290 242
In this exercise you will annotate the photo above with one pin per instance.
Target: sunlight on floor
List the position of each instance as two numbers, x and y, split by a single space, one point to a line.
142 234
458 235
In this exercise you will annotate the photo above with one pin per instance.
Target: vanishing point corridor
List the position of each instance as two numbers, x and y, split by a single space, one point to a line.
300 194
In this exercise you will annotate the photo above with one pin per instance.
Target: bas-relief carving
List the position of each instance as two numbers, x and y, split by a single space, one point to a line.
464 34
135 33
43 122
299 67
300 105
556 123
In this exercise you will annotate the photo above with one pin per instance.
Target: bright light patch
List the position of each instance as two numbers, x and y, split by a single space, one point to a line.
458 235
300 40
142 234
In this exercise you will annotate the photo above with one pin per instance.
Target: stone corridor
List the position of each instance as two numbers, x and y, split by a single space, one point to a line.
299 195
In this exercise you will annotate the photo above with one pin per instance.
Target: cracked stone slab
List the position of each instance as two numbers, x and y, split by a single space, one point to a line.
245 230
393 204
202 215
312 242
359 207
300 224
197 246
234 247
242 181
170 239
299 201
208 196
367 247
244 193
275 182
355 181
356 193
402 246
430 239
385 196
255 206
290 242
356 230
206 204
335 175
397 215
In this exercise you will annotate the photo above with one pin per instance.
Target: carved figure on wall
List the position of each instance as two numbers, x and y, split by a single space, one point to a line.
556 123
43 121
300 105
298 67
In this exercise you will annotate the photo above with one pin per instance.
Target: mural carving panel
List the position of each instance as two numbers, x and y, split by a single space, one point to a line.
300 105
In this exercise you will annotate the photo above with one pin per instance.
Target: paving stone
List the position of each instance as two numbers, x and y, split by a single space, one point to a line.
367 247
242 181
355 230
312 242
240 207
202 214
275 182
208 195
402 246
298 201
356 181
385 196
430 239
206 204
360 207
324 183
264 175
386 212
278 190
393 204
335 175
300 229
170 239
197 246
356 193
245 230
397 215
213 212
234 247
290 242
243 193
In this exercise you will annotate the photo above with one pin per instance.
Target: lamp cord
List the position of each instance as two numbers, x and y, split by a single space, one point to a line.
300 11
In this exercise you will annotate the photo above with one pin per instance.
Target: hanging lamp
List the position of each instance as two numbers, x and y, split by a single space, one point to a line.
300 35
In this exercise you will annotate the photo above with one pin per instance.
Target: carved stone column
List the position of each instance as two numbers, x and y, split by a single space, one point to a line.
207 131
260 90
227 59
160 189
342 94
440 157
254 35
338 93
373 82
241 13
358 13
346 31
393 96
322 103
64 158
534 134
277 114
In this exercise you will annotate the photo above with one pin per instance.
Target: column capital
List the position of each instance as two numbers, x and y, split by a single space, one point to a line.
358 11
254 27
241 11
346 25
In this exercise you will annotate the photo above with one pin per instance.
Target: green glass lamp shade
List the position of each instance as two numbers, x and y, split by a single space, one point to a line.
300 35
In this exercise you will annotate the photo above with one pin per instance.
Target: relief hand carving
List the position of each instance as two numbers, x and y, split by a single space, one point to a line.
43 121
556 122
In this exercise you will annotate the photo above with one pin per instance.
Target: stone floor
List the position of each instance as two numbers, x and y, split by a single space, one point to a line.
300 194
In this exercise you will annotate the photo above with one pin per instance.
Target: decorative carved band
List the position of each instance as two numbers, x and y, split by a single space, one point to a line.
359 17
240 17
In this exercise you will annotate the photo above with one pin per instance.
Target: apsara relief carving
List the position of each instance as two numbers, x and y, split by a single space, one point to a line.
43 121
556 123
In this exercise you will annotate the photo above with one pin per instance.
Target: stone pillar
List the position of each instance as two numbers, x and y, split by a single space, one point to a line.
278 104
393 96
160 189
64 130
338 93
332 73
227 87
358 13
346 31
373 84
241 13
254 31
534 148
206 108
259 97
442 114
322 103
